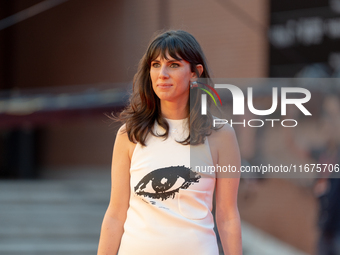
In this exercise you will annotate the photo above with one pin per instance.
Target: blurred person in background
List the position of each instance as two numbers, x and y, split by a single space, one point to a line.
158 204
327 184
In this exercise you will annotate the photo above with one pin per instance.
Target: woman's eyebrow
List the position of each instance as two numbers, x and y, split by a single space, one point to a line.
169 61
175 60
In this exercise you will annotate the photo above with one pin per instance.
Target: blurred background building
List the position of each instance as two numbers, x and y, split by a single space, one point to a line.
65 63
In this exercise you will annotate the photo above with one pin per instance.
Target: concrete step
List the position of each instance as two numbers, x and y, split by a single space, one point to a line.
52 217
57 217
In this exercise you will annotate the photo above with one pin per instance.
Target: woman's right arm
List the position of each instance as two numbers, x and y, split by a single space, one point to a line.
115 216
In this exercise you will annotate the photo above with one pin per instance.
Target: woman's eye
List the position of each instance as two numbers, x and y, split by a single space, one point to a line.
155 65
165 182
174 65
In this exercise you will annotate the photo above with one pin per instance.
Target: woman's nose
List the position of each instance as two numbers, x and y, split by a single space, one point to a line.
163 74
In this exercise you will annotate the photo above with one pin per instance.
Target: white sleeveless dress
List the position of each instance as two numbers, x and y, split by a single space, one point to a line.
170 205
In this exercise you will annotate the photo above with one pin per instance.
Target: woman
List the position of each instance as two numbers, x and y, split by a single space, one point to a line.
159 204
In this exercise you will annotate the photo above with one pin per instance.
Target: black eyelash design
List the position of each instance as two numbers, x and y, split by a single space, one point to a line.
163 179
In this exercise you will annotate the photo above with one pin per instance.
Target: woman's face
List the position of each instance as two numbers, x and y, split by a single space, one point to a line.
171 79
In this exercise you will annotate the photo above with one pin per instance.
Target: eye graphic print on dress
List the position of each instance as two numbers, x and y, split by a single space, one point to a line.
164 183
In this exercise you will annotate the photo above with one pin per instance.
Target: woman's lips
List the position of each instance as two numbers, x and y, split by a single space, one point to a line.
164 85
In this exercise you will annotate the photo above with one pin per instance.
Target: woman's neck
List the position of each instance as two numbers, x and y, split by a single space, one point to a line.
174 111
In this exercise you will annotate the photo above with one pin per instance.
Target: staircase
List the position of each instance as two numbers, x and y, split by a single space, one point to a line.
63 216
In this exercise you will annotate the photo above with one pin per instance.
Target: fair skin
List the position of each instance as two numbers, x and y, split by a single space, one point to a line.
225 151
171 83
115 216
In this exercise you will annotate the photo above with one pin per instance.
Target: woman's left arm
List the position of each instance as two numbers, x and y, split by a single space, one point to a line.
227 214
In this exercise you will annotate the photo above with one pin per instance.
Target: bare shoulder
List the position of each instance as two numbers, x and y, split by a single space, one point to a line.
120 175
122 134
122 130
222 142
223 135
123 142
228 155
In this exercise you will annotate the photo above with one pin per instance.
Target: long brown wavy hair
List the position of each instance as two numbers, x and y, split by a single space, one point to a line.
144 105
